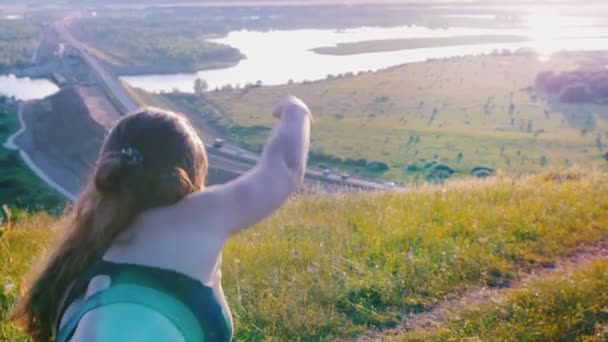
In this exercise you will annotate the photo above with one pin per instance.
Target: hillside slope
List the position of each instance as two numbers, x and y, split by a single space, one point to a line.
62 137
333 266
463 113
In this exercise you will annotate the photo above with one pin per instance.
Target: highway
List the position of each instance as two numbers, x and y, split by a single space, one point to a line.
113 89
229 157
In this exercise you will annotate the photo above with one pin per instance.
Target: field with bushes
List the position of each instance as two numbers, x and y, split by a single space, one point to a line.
428 120
335 265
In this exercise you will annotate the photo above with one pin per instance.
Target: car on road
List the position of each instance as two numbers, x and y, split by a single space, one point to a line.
344 177
390 185
218 143
326 173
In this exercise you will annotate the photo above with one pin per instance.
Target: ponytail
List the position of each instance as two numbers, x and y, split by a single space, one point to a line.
150 159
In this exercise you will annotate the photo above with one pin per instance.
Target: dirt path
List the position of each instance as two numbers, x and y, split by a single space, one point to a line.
485 296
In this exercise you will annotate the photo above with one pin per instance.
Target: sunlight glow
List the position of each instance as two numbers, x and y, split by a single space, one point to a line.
551 33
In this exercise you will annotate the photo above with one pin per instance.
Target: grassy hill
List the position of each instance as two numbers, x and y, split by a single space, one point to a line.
335 265
462 113
568 306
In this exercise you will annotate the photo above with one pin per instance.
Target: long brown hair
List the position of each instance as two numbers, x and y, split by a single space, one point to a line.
149 159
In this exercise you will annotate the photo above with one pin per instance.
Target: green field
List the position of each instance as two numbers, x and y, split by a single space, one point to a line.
18 40
462 112
570 306
334 265
19 187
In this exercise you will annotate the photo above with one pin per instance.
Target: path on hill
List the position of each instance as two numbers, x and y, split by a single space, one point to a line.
487 296
11 145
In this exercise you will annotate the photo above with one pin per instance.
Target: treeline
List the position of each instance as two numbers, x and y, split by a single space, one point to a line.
156 42
576 86
18 40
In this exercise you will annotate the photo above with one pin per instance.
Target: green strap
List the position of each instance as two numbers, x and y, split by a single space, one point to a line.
164 304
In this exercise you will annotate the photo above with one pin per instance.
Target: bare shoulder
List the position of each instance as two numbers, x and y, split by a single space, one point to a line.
195 209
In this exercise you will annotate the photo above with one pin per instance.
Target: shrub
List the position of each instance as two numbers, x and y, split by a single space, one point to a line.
378 166
599 86
578 92
413 168
360 162
482 172
440 173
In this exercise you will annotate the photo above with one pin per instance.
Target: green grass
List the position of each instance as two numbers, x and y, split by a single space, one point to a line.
19 186
19 248
411 115
571 306
331 266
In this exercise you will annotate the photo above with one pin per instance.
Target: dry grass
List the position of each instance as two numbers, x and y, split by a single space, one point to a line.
332 266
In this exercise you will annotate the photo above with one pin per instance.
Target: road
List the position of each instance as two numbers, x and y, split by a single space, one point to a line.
230 157
113 89
11 145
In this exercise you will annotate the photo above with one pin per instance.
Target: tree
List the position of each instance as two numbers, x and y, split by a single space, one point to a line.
459 157
576 93
200 86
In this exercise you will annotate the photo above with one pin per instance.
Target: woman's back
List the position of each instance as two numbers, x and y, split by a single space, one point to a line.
187 236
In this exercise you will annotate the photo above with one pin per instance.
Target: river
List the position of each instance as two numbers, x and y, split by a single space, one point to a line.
26 88
275 57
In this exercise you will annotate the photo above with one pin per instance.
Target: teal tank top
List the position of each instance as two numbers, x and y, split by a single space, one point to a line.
200 309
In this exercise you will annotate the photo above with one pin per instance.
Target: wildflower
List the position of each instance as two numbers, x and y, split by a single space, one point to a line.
9 288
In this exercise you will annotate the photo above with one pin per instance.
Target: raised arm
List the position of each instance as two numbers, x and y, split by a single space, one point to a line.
254 196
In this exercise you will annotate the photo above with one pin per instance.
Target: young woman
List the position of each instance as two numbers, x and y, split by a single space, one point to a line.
141 256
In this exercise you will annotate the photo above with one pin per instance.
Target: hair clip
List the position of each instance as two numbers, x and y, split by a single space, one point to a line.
132 156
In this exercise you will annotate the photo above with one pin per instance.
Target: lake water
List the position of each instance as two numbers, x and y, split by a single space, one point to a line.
26 88
275 57
12 17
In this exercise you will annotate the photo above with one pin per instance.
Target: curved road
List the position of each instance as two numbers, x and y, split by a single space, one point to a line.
11 145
